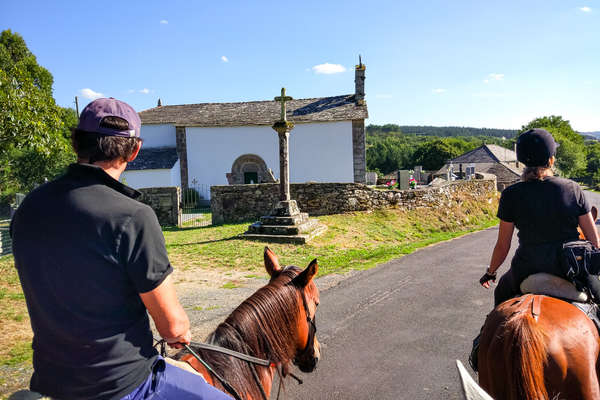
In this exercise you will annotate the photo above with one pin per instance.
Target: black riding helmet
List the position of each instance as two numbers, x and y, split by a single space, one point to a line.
535 147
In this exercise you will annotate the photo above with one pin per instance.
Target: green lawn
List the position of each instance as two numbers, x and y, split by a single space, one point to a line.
352 241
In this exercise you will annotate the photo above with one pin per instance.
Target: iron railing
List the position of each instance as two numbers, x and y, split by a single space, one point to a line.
195 206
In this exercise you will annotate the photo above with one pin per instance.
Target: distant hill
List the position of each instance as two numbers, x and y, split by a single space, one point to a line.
443 131
595 135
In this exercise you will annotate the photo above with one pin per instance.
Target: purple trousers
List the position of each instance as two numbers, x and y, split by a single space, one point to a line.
169 382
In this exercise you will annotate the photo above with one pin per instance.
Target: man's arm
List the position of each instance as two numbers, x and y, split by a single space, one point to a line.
169 317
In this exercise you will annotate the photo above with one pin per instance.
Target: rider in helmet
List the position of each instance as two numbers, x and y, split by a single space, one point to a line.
546 210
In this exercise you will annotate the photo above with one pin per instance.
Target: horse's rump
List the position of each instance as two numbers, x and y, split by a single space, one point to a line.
538 347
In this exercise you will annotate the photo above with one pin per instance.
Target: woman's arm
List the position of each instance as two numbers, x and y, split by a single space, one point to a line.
587 225
505 232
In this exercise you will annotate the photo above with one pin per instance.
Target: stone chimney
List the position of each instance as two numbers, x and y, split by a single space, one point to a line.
359 83
159 103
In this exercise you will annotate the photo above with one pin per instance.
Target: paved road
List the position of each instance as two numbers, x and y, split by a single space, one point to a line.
394 332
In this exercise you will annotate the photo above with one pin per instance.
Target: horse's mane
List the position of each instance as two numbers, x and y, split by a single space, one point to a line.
263 326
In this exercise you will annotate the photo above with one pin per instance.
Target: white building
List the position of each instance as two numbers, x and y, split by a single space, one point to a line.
233 143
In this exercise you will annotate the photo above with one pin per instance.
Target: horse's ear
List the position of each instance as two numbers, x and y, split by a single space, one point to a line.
271 262
307 275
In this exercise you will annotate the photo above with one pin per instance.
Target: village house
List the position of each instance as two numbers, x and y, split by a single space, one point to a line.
489 158
233 143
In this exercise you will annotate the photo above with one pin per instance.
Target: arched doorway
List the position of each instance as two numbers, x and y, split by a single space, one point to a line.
248 169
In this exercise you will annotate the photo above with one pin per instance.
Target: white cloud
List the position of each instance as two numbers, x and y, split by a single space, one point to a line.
131 91
90 94
585 9
145 91
224 59
328 69
383 96
164 22
438 91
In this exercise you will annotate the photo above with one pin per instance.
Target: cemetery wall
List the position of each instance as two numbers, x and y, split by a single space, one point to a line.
239 203
165 203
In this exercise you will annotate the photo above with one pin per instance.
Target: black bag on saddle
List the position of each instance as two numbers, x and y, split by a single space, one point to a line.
580 259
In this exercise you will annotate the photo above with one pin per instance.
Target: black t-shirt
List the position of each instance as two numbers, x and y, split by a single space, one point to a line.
544 211
84 250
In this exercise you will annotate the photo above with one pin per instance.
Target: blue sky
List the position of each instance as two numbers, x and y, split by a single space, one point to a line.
495 64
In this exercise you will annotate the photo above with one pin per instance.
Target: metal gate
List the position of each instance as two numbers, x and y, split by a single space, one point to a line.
195 206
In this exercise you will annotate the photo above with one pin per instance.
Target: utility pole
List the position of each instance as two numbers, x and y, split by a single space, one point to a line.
77 107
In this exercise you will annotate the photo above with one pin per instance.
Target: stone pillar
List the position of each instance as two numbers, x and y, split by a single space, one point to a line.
359 150
283 129
181 144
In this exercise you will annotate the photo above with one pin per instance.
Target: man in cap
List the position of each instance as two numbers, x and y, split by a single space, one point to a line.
92 261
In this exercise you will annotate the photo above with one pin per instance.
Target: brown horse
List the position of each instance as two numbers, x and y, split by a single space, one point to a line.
537 347
276 323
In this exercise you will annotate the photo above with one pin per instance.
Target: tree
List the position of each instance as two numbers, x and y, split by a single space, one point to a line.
570 155
433 155
33 132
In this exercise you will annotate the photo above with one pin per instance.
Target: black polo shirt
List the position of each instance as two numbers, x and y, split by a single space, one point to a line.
84 249
544 211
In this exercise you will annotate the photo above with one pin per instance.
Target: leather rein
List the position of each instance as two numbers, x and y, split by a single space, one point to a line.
253 361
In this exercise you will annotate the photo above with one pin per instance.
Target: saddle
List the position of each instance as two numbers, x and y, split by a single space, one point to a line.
554 286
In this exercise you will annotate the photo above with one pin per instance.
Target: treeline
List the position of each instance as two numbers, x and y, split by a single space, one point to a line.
387 152
389 148
440 131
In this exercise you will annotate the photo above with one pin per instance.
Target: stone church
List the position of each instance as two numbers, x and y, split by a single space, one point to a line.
233 143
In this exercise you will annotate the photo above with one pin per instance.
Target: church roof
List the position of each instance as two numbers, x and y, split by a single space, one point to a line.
322 109
154 158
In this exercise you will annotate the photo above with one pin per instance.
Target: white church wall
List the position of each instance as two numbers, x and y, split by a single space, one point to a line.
176 175
320 152
158 135
148 178
212 151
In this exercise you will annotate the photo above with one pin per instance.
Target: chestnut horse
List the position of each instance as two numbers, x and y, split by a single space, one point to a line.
276 323
537 347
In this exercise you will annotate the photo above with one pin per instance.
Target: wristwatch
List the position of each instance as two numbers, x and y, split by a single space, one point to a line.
487 271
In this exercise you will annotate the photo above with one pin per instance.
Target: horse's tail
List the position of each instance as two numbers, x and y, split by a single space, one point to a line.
526 355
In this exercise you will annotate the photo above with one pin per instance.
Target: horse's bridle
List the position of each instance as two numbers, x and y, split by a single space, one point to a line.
312 329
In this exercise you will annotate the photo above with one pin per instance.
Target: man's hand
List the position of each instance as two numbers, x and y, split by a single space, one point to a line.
486 278
178 342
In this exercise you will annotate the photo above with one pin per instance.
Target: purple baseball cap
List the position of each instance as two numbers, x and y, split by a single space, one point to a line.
92 115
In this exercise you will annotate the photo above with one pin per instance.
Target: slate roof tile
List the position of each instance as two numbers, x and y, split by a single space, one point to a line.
154 158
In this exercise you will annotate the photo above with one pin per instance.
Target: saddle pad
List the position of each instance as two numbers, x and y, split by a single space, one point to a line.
551 285
591 310
27 395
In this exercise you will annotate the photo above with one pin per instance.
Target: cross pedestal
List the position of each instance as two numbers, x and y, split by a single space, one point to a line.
285 224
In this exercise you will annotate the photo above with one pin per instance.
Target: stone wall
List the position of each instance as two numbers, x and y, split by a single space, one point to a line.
239 203
165 203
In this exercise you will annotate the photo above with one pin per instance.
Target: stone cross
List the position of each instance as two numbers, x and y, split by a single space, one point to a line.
283 98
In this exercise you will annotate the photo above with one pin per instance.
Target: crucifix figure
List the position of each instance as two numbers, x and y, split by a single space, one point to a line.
283 98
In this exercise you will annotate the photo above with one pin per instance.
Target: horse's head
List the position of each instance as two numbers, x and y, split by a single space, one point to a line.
308 349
